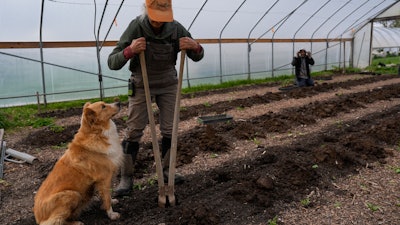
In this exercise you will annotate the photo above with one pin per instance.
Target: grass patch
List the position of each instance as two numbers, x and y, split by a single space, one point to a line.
228 84
391 62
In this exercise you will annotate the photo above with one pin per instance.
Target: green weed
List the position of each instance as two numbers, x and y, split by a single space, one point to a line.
214 155
305 202
256 141
56 128
273 221
337 205
207 104
372 207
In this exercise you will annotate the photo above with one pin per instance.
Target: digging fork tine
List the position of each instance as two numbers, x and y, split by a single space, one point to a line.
156 149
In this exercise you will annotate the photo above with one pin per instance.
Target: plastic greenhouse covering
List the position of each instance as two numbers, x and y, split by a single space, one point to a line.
386 37
56 50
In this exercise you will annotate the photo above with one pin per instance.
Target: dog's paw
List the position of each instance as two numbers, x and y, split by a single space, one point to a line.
114 201
113 215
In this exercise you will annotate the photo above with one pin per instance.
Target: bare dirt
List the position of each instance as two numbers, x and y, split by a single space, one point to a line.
327 154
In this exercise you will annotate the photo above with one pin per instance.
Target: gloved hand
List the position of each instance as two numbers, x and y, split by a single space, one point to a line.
138 45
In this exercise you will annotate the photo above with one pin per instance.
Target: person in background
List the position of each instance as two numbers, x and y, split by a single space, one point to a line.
160 37
302 62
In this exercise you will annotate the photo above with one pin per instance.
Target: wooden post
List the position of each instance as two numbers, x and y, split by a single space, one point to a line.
2 153
38 101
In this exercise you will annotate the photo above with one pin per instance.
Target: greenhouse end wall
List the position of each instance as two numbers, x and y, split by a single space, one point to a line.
72 73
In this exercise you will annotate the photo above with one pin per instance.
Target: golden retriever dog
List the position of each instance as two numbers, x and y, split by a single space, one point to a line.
84 171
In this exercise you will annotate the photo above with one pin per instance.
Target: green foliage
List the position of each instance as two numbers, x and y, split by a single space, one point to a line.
23 116
287 82
256 141
322 73
337 205
214 155
228 84
207 104
391 63
4 121
4 183
273 221
305 202
372 207
152 181
41 122
138 187
56 128
61 146
20 116
347 70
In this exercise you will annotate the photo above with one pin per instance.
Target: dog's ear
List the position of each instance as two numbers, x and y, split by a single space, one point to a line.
86 105
90 115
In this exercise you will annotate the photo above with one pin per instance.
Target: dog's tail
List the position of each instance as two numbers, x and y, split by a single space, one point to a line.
53 221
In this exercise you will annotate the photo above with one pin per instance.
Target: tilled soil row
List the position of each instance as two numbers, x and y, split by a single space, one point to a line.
270 97
217 138
188 112
261 185
39 137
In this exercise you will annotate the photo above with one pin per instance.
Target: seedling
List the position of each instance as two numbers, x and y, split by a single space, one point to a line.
372 207
364 187
286 83
305 202
4 183
338 205
273 221
56 128
339 123
398 147
214 155
152 181
138 187
62 145
207 104
255 141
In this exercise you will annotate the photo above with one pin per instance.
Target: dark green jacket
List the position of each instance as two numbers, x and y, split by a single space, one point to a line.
142 28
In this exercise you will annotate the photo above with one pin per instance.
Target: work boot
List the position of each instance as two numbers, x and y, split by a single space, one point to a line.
165 147
125 186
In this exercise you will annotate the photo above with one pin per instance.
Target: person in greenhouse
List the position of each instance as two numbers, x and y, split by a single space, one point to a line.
160 37
302 62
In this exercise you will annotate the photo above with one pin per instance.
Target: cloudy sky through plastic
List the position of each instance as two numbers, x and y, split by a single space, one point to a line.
73 20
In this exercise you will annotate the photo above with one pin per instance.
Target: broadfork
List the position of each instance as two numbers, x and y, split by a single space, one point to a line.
169 190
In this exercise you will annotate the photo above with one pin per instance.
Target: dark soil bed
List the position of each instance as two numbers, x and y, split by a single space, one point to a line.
246 190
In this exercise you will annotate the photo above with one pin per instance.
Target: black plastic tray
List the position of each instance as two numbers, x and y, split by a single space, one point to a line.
288 88
214 119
